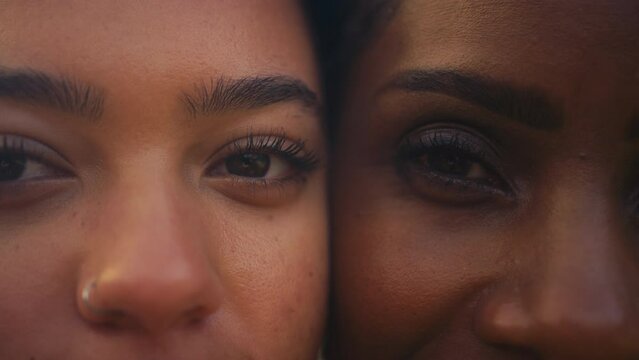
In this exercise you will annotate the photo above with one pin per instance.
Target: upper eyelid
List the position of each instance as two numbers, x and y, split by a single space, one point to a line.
492 159
461 132
263 142
481 125
239 139
35 149
235 145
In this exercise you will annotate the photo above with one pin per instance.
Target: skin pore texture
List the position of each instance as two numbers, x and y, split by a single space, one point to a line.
162 182
486 184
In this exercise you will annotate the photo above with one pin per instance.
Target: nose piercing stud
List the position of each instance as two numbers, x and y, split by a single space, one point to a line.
86 298
89 290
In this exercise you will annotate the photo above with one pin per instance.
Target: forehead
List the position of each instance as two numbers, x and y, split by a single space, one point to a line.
490 24
164 37
530 42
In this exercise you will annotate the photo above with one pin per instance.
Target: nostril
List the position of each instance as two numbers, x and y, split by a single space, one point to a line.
151 304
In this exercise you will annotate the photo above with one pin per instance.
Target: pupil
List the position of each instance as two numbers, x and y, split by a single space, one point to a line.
249 165
449 162
12 167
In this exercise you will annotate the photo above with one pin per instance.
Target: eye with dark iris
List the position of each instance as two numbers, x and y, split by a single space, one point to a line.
448 162
453 162
460 159
12 167
252 165
24 160
264 158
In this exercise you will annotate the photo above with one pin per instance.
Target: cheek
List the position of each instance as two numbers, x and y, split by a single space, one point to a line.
275 275
402 270
38 266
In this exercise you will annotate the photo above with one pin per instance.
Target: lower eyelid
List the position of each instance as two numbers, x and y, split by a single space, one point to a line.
259 192
25 193
435 186
421 177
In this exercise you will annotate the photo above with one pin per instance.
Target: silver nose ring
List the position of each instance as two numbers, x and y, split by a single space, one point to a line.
86 298
87 291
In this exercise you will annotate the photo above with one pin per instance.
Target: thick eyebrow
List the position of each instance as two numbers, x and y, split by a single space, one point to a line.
529 106
225 94
59 92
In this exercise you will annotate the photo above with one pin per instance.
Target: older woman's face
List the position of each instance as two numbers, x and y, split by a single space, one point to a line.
487 185
161 181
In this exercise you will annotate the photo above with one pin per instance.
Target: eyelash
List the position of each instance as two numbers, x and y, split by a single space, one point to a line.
469 147
13 145
293 151
10 145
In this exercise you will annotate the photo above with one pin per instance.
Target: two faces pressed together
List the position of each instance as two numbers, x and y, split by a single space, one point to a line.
164 165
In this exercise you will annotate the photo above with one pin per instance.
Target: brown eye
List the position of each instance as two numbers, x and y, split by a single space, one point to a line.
262 160
15 167
263 170
29 172
254 165
452 162
12 167
25 160
248 165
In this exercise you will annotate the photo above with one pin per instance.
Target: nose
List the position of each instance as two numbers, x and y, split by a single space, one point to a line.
574 294
148 267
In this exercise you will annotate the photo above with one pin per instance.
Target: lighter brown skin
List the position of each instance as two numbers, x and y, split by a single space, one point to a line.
186 266
425 270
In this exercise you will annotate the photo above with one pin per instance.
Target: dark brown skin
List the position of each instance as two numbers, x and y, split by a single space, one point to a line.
193 255
486 205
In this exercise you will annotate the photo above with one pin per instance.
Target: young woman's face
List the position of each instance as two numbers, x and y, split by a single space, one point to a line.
161 181
487 188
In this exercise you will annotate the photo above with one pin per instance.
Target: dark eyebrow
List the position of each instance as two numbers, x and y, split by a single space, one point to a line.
58 92
526 105
226 94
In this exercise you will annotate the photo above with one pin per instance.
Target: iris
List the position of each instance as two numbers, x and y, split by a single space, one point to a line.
12 167
249 165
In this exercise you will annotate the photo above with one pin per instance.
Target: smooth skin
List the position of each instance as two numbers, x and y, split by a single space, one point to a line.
486 185
160 215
